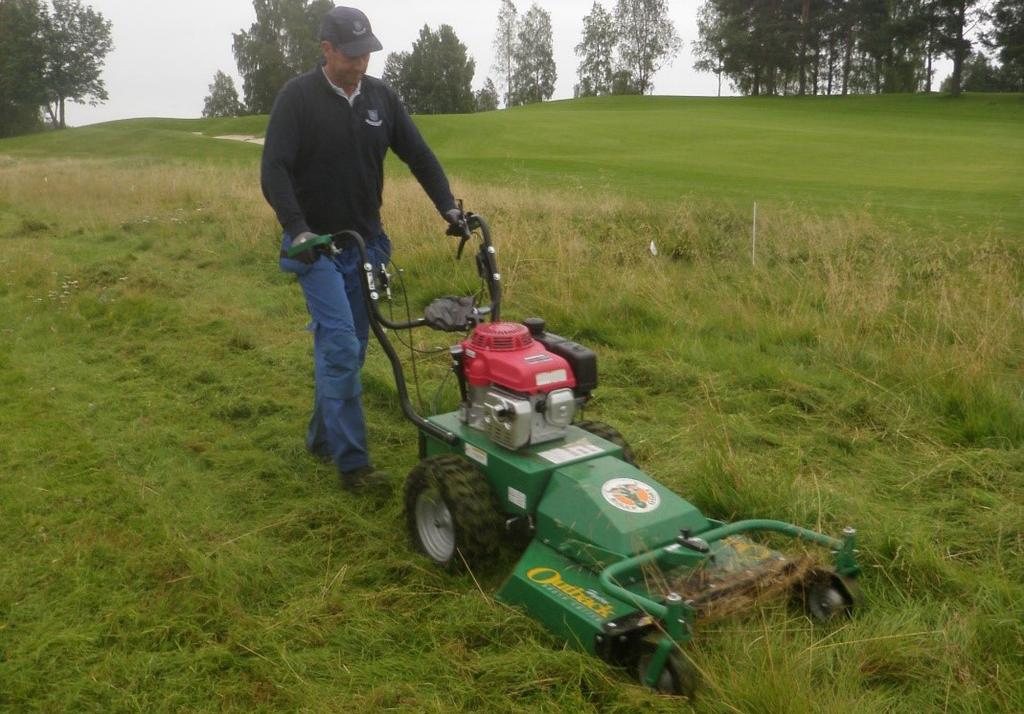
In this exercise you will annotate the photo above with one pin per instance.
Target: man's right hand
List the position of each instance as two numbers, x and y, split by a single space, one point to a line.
306 256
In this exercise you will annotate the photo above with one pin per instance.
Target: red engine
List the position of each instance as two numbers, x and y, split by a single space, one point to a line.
515 388
504 354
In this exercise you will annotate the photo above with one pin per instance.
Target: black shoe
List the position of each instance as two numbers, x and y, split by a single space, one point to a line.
366 478
320 454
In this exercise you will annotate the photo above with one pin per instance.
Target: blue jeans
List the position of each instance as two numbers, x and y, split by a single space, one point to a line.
340 327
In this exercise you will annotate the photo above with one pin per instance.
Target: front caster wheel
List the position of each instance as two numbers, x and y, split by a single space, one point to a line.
827 596
678 678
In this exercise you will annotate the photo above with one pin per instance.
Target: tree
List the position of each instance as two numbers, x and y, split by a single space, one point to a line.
486 98
905 36
596 51
505 46
955 20
809 46
222 100
283 42
981 75
647 39
22 52
394 73
77 42
533 79
846 30
710 47
757 45
622 83
437 75
1008 37
816 23
928 16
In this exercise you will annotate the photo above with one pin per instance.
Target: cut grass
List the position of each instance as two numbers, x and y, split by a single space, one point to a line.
168 544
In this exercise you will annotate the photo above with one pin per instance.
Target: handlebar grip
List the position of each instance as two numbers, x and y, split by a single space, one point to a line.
458 230
296 249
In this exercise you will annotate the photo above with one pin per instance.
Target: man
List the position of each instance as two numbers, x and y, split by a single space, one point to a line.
323 172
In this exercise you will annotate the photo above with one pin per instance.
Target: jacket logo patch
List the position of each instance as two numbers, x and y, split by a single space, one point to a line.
373 118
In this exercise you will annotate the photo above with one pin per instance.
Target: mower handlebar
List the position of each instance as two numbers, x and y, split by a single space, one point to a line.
487 268
341 240
318 243
486 264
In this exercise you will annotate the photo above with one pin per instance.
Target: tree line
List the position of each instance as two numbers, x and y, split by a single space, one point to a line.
620 51
53 52
49 54
768 47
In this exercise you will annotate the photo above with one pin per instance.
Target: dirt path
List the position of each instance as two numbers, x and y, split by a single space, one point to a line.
242 137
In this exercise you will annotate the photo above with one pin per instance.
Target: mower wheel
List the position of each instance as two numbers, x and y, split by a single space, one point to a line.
451 514
828 596
679 677
609 433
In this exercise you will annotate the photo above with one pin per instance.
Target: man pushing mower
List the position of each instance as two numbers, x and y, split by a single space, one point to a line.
617 563
323 172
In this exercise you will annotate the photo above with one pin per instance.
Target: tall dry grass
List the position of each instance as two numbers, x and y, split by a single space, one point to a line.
935 307
858 372
932 303
932 308
98 195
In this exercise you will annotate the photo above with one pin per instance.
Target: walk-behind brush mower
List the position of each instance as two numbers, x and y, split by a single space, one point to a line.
617 564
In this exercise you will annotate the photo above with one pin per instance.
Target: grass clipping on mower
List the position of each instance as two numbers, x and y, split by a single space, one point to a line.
741 575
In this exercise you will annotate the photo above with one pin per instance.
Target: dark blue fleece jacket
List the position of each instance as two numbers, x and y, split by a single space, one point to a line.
323 160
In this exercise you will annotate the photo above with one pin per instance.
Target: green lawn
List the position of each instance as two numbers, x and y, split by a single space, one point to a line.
930 158
168 545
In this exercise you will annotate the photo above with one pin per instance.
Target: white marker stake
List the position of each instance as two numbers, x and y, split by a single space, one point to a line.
753 243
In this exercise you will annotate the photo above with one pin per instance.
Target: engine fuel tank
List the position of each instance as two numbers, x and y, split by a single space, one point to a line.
504 354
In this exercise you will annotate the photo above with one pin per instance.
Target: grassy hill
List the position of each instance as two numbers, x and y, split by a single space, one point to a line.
951 165
168 544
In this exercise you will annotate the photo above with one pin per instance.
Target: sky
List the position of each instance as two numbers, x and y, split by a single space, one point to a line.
166 53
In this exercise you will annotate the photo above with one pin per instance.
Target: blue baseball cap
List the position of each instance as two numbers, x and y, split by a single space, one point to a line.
349 31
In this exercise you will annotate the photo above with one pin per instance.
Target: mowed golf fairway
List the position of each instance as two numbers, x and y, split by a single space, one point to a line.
926 157
167 544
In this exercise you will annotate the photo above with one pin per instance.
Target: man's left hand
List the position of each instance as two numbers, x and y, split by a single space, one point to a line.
309 256
456 222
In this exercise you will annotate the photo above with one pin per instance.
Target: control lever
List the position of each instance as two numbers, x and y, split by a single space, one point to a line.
460 230
380 281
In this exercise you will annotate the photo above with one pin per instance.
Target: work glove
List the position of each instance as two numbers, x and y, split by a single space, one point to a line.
456 222
307 256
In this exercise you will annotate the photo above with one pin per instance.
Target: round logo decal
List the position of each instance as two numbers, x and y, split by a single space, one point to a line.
630 495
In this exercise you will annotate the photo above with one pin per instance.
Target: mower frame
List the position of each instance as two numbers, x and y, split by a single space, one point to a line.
602 611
